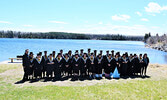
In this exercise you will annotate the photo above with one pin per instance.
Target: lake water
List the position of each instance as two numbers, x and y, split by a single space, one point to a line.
12 47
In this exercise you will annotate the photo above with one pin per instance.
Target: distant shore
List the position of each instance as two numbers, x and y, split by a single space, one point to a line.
158 46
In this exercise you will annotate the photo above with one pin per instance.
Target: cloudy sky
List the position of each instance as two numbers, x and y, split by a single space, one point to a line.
127 17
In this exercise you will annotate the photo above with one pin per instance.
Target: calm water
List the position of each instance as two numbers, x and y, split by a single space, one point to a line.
13 47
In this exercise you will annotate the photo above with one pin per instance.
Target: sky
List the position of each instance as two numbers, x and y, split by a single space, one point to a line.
126 17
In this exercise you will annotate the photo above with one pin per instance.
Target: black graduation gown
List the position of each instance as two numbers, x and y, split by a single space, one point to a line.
32 65
92 65
58 64
130 66
76 65
67 62
26 64
49 67
135 65
45 64
118 64
124 66
83 65
99 65
37 67
109 65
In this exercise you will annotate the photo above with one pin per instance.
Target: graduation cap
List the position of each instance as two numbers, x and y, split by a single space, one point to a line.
95 50
112 51
54 52
61 49
89 49
45 51
81 50
91 54
107 51
31 53
40 53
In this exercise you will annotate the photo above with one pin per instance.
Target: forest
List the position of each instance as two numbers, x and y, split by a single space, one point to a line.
66 35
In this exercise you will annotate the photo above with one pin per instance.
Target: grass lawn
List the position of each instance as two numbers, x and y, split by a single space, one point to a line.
133 90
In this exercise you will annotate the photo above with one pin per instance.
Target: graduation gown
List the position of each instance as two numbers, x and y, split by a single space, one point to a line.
83 65
58 64
76 65
141 65
49 67
32 65
124 66
92 65
110 65
67 65
99 65
37 67
118 64
135 63
44 58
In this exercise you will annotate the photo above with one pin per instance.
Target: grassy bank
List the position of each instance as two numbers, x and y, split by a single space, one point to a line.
133 89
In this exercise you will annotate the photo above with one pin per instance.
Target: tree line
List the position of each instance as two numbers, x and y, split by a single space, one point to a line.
66 35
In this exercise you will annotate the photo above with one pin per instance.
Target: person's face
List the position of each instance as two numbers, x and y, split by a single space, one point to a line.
84 56
38 56
109 56
27 51
59 56
66 56
45 53
116 56
99 56
76 56
61 51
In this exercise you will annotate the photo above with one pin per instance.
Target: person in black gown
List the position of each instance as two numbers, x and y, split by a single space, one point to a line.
124 65
58 64
76 65
44 58
38 64
110 64
67 65
141 64
135 62
84 65
99 66
31 65
26 65
49 66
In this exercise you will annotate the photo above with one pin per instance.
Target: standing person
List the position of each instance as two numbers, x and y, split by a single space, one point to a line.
81 53
146 62
54 54
99 66
95 53
130 65
91 68
70 54
118 63
101 52
75 66
112 54
84 65
67 65
141 65
110 64
31 65
38 64
49 66
124 65
58 66
26 65
88 54
45 58
135 64
61 52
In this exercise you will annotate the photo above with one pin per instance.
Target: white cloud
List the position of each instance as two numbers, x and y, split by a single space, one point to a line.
138 13
58 22
155 8
5 22
144 19
121 18
27 25
100 23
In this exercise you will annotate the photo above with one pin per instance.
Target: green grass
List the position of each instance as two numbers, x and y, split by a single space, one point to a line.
130 90
5 67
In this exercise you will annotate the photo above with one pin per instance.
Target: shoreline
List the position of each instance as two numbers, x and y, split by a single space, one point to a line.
158 47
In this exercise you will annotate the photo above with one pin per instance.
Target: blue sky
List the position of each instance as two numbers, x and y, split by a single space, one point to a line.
127 17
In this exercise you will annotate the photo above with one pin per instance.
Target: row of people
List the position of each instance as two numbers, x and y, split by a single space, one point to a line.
83 64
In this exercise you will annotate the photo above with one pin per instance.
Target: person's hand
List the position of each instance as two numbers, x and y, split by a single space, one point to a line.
109 64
